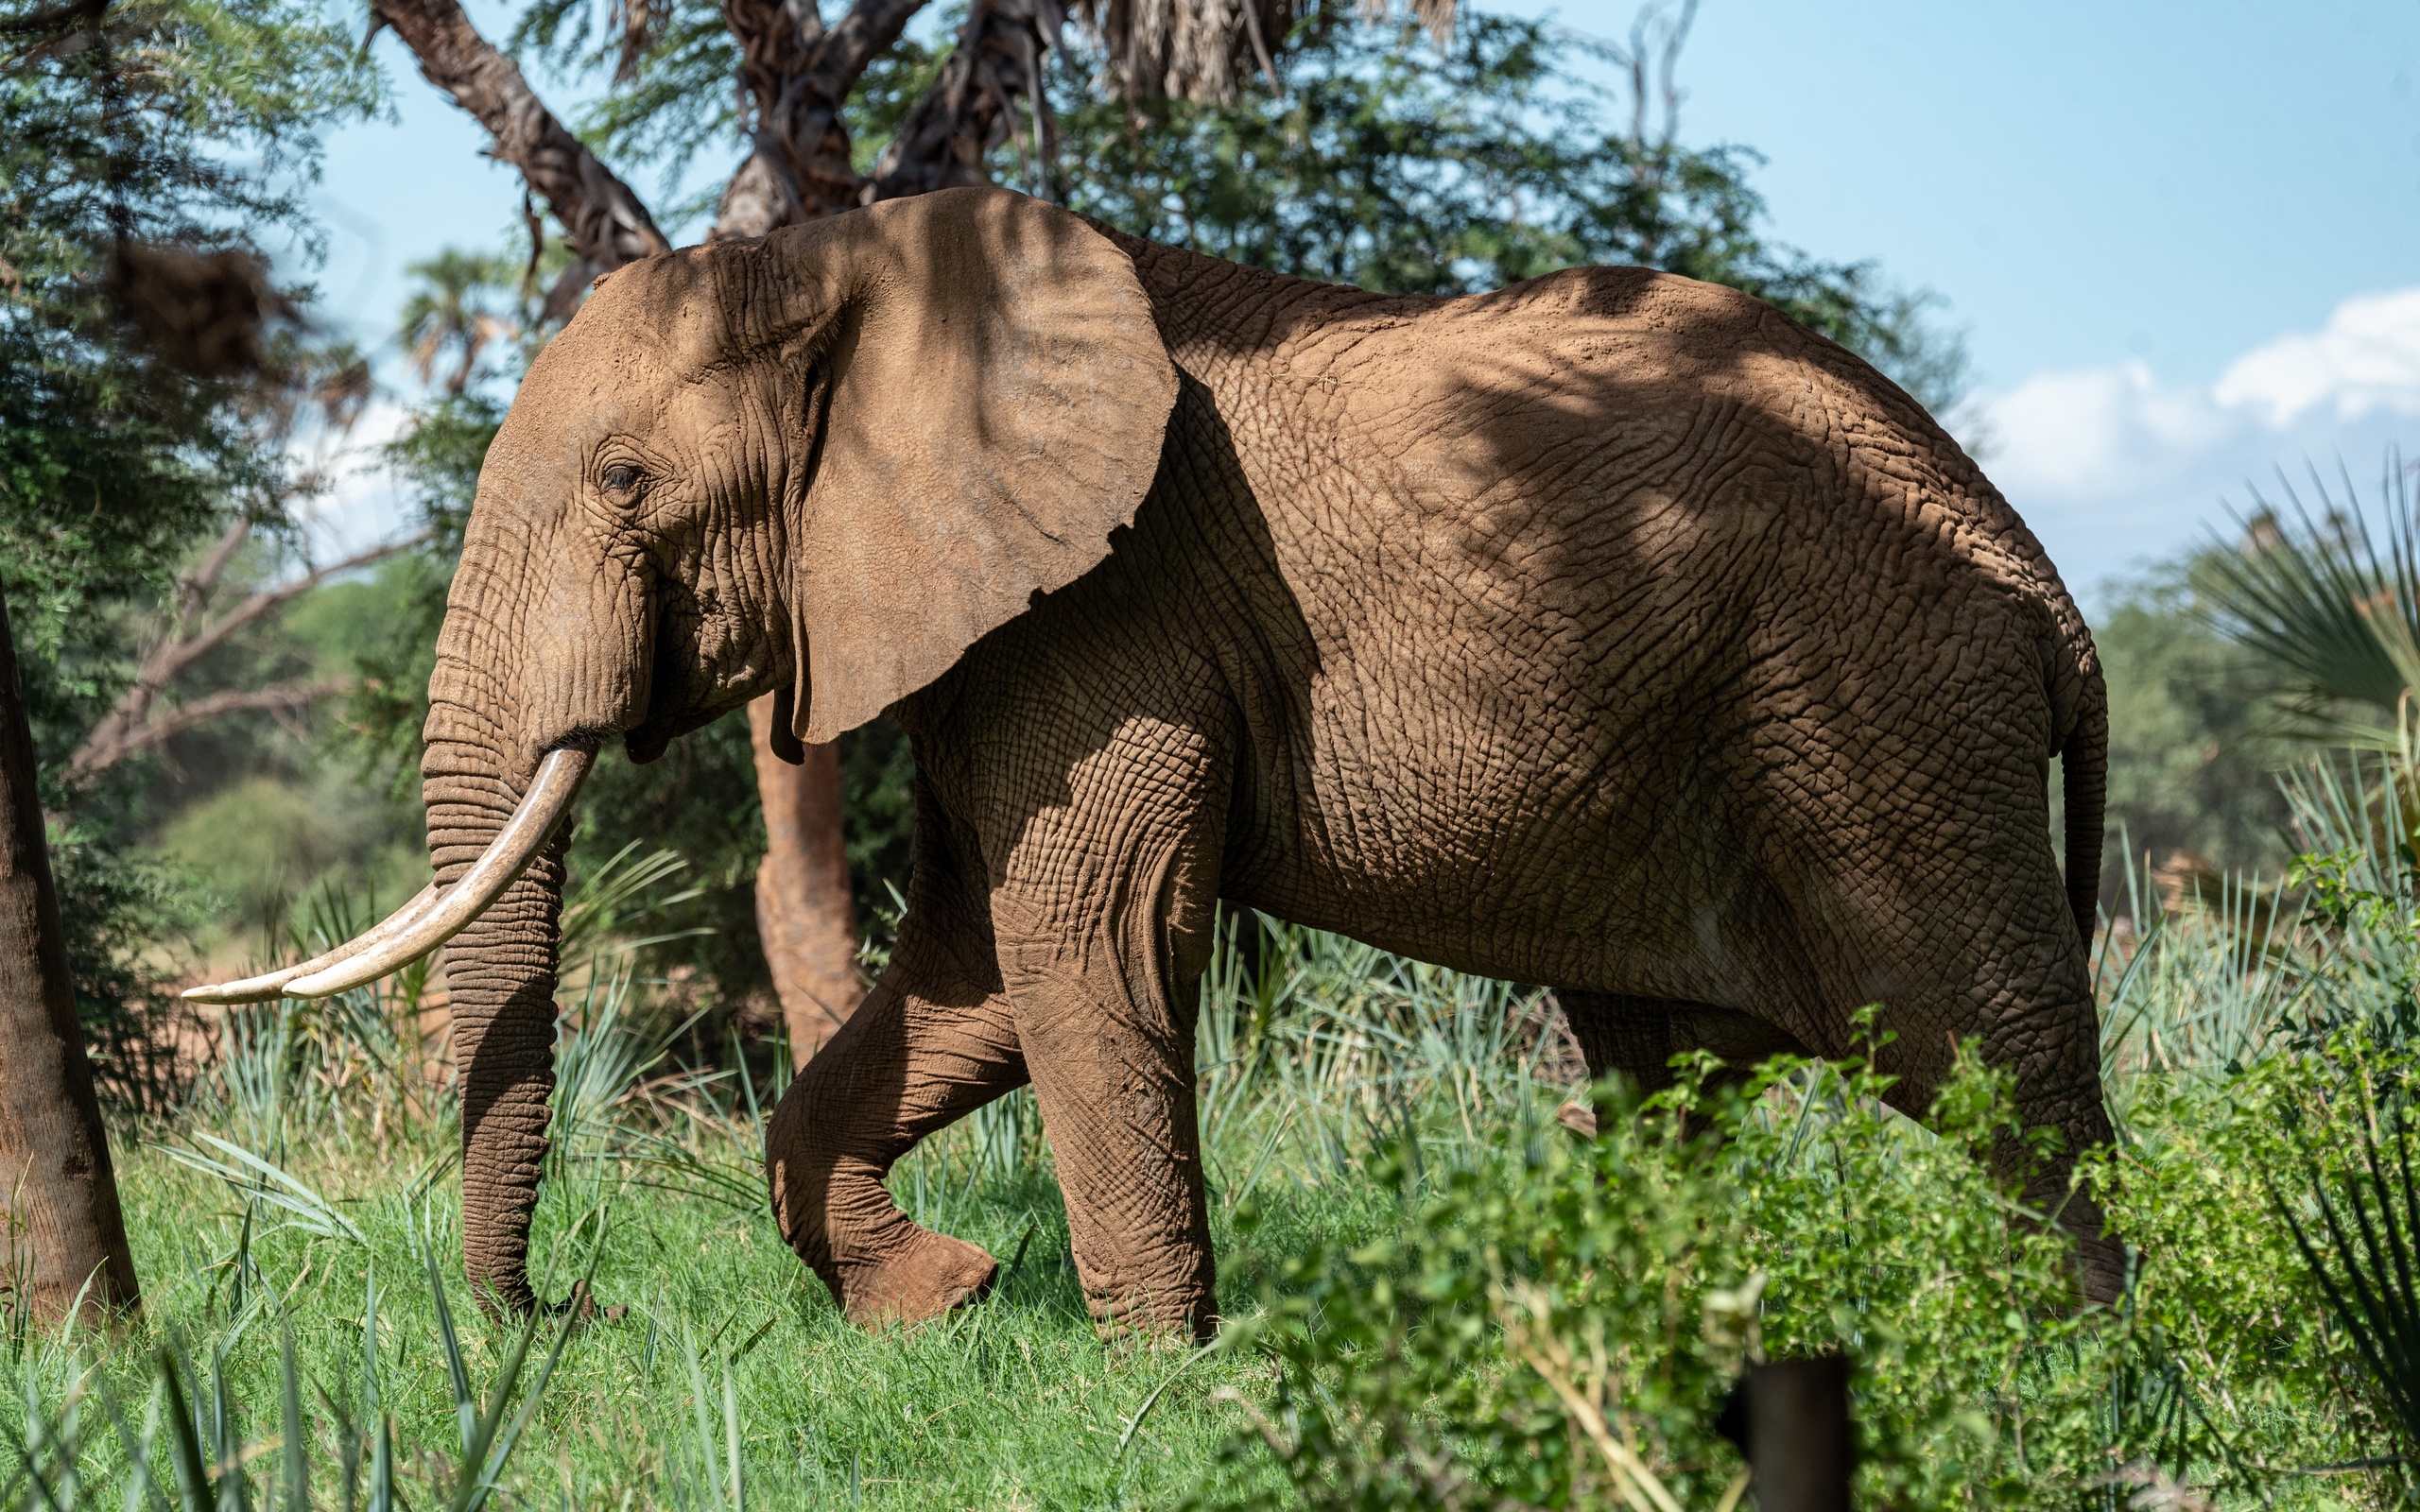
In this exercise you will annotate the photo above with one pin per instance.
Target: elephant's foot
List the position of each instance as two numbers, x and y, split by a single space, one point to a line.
921 1280
1145 1318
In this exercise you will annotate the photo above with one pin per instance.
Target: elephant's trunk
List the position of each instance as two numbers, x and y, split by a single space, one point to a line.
437 913
496 840
500 975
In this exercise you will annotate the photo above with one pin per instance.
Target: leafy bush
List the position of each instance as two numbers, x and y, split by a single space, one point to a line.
1558 1324
116 906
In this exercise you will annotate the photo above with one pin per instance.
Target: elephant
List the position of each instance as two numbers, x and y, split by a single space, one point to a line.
1611 632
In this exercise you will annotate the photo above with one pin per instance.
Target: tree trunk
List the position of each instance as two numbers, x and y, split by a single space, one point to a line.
57 1193
803 913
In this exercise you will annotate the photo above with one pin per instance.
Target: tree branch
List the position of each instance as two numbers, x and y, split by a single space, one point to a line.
125 728
89 760
605 221
194 588
989 89
59 18
797 77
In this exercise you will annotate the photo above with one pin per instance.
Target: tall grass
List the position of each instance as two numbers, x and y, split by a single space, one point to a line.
1343 1093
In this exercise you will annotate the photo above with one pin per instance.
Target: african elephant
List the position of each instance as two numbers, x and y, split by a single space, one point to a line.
1611 632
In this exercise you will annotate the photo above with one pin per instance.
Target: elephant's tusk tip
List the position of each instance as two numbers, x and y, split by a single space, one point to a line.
436 918
229 992
271 986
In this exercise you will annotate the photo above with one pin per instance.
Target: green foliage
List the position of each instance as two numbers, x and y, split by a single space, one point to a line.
2234 1364
456 315
700 797
2364 1248
2191 768
204 1457
158 121
113 464
1561 1302
264 842
437 460
115 904
1391 163
1438 1295
2326 605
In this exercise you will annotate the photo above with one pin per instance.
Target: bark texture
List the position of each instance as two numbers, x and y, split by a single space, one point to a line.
58 1191
606 223
804 912
990 90
796 77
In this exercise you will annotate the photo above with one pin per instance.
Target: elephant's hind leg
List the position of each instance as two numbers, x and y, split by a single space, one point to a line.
1639 1035
929 1045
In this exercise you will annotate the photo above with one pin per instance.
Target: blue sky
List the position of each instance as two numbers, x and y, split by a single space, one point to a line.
2183 240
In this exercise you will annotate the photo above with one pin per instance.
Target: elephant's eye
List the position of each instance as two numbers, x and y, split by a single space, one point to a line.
621 479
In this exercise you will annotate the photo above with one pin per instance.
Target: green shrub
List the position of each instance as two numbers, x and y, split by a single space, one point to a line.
1558 1324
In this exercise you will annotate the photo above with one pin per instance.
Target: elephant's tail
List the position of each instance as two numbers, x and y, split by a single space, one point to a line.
2084 763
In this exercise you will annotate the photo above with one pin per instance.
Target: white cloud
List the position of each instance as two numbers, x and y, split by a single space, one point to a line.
2083 432
2367 358
2111 466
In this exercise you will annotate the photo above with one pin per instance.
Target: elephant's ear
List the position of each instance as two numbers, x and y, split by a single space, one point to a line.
994 395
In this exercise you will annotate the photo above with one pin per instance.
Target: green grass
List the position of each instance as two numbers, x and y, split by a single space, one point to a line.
1422 1271
313 1159
1014 1400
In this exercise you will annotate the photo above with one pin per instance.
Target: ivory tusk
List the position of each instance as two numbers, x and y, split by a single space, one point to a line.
267 985
523 836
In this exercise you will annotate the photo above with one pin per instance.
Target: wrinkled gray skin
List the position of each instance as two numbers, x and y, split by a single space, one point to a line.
1609 632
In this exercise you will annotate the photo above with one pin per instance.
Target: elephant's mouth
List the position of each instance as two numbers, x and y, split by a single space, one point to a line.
691 680
670 714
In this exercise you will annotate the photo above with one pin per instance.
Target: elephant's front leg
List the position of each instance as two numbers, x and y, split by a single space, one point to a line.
1103 938
910 1062
932 1044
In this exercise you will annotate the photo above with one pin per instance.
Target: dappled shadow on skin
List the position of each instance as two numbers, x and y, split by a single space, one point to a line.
1811 620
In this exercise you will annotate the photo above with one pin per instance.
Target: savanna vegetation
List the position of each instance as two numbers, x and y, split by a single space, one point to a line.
1438 1295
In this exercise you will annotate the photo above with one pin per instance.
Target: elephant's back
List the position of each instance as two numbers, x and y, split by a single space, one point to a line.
1574 563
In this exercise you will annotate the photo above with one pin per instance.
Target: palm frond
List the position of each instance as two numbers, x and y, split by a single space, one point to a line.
2369 1269
2329 605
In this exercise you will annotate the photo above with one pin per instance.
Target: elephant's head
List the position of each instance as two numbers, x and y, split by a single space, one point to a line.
824 464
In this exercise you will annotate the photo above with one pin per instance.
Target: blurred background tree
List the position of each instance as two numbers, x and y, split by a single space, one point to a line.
145 410
141 143
2191 764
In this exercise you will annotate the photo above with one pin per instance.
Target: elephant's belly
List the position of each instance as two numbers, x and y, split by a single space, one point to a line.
1614 876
